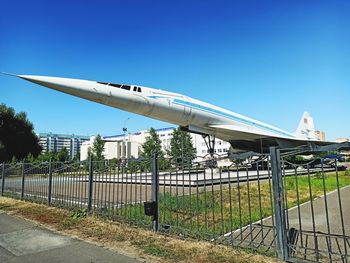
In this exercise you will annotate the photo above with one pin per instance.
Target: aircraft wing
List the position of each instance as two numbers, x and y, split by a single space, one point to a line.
245 139
241 132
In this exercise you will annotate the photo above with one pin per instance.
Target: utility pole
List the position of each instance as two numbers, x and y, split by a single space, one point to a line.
125 129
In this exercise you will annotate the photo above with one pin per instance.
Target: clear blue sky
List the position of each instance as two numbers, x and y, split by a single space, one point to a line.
270 60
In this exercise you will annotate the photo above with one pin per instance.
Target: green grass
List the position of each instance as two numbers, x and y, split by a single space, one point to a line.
208 214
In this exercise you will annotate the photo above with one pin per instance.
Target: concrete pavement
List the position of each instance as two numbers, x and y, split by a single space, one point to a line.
25 242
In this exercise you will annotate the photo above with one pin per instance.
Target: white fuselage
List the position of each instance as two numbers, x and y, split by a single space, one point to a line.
171 107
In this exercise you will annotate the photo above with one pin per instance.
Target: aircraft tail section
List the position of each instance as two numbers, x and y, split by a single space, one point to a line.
306 129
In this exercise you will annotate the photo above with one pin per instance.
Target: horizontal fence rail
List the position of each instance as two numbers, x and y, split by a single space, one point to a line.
274 203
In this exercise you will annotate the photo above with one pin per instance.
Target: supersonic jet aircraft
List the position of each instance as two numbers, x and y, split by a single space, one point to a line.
243 133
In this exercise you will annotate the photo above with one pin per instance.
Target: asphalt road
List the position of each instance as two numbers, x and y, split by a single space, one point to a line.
23 241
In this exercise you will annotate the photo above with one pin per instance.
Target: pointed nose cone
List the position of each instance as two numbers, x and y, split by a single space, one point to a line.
41 80
80 88
85 89
60 84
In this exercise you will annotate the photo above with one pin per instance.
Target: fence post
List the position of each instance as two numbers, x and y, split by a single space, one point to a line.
281 234
22 184
49 196
3 179
155 191
91 178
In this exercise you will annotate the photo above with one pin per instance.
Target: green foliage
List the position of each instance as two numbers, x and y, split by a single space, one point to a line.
347 172
181 147
60 156
76 158
30 158
299 158
13 160
80 213
164 163
133 165
17 137
114 162
46 156
152 145
97 148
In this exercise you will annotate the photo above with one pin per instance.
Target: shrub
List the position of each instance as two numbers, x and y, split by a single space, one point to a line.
347 172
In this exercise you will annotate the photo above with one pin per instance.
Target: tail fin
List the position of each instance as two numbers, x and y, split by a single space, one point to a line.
306 129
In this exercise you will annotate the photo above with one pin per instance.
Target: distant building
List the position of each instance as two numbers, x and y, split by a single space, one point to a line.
51 142
339 140
130 145
320 135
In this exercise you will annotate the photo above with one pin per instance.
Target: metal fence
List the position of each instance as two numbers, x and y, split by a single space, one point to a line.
273 203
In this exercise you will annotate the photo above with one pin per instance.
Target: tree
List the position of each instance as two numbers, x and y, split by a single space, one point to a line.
17 137
181 147
62 155
97 148
47 156
76 157
30 158
151 145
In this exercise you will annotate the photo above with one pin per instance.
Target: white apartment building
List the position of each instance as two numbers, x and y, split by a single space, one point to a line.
130 145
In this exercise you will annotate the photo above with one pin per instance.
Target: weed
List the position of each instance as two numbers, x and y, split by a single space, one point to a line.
80 213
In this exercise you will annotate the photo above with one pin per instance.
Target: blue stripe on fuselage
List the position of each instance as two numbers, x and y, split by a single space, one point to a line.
222 114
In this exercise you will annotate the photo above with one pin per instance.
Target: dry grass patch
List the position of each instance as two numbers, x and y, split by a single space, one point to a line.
125 239
40 213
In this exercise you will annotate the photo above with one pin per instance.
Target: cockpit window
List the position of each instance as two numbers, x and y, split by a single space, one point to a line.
115 85
127 87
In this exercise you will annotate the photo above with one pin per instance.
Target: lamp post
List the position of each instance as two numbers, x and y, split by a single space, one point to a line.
125 131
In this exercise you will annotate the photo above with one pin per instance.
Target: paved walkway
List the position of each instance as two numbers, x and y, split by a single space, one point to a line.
23 241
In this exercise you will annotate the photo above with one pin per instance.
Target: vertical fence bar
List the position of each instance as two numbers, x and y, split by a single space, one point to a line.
22 183
49 195
155 191
281 236
3 179
91 177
